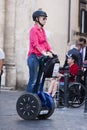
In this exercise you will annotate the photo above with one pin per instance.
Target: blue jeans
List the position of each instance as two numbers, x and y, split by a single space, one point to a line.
0 80
33 65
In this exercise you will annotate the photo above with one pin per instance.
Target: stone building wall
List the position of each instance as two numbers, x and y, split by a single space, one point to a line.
15 23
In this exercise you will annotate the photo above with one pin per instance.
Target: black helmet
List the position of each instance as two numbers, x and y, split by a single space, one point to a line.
38 13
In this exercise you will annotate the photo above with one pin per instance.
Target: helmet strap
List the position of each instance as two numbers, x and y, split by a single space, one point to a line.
40 23
37 20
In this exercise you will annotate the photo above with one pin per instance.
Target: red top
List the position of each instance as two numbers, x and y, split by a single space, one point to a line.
38 39
73 71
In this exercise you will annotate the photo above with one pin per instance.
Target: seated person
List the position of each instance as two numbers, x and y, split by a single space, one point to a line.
76 51
73 71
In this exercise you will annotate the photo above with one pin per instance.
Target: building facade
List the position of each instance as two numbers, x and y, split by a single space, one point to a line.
65 23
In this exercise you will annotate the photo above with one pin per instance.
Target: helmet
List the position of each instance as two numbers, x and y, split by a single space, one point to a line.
38 13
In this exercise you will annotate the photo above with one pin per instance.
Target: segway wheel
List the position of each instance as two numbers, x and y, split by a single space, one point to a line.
28 106
48 110
76 95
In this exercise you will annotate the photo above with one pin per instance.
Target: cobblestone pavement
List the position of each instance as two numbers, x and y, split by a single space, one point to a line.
62 118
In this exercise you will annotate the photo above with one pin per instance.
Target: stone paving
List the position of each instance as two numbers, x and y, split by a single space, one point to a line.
62 118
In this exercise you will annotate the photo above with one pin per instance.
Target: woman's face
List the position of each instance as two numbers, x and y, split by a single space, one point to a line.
42 20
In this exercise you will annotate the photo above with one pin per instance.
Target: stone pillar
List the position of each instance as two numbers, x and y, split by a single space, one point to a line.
10 43
2 19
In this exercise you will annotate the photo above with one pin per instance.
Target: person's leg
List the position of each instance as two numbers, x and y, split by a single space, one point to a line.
61 93
33 66
1 77
0 82
53 87
50 89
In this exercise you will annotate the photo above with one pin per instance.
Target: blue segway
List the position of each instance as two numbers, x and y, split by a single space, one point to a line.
40 104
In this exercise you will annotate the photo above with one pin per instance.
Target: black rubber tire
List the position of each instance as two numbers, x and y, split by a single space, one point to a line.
46 112
76 95
28 106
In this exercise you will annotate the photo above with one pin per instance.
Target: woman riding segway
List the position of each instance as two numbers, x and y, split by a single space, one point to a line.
31 103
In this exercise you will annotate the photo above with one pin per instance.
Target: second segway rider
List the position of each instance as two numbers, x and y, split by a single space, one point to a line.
38 46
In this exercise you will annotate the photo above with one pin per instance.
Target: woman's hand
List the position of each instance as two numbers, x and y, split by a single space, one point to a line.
49 54
59 75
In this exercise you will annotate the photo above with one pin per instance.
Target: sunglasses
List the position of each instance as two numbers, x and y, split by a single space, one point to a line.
45 18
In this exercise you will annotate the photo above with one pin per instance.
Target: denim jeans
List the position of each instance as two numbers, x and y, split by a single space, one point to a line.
0 80
33 65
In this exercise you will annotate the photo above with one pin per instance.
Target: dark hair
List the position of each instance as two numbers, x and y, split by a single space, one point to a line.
73 56
82 40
